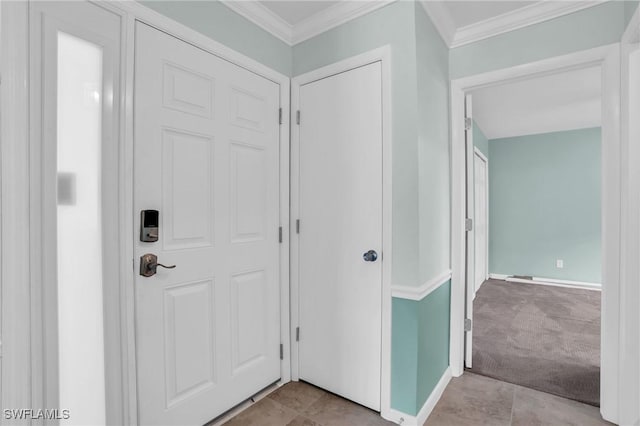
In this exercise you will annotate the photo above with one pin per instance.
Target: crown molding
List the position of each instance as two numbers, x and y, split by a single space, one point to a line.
519 18
441 19
263 17
334 16
320 22
346 11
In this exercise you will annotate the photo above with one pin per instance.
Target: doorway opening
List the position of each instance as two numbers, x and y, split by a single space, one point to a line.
537 268
606 61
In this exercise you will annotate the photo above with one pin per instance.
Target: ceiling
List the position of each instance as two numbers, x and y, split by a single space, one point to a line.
459 22
565 101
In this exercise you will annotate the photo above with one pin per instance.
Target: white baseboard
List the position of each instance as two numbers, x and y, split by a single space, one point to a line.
549 281
404 419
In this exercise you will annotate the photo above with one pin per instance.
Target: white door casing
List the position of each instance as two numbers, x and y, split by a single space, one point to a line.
480 218
470 234
206 156
340 210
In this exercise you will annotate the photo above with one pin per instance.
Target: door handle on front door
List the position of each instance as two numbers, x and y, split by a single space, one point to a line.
370 256
149 264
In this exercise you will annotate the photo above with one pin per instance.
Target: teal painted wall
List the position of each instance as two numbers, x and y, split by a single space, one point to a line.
404 355
480 141
392 25
420 348
629 9
592 27
433 341
220 23
545 204
433 148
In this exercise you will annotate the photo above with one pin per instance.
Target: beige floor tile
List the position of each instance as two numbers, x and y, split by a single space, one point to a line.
331 410
302 421
533 408
265 412
297 395
472 400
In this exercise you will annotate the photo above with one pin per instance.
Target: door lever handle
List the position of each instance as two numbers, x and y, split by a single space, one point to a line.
149 265
166 266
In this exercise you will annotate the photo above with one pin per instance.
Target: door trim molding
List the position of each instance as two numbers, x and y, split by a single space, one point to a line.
608 59
382 55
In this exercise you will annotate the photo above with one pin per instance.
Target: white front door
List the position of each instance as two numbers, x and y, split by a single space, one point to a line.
340 220
206 157
480 219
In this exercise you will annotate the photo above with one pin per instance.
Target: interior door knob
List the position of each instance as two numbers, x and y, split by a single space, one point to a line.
370 256
149 264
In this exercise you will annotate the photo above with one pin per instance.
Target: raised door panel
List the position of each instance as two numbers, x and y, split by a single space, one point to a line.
187 189
189 340
187 90
248 193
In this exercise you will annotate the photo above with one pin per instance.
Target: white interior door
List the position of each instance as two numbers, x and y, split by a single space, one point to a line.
470 234
341 220
480 219
206 157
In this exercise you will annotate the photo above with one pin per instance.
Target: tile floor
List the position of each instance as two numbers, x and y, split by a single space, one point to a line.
469 400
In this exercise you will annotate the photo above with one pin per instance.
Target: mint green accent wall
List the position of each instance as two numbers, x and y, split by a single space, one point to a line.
433 341
220 23
392 25
404 355
629 9
420 348
592 27
545 204
433 147
480 141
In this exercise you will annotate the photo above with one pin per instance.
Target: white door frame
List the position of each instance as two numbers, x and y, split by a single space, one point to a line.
22 371
383 55
482 157
630 295
608 59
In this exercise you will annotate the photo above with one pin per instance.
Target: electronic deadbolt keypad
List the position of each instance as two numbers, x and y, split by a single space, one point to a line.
149 221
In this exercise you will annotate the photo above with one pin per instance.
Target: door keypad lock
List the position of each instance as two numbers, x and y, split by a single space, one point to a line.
149 264
149 223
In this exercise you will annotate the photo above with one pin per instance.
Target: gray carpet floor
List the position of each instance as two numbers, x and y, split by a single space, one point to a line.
541 337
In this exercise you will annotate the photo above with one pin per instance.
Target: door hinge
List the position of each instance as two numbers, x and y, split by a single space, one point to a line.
467 324
280 116
468 224
280 235
281 351
297 226
467 123
298 117
297 334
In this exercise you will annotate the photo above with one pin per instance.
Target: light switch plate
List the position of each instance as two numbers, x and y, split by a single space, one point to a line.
559 263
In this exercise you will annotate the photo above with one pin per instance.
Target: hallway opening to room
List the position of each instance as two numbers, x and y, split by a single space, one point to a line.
537 233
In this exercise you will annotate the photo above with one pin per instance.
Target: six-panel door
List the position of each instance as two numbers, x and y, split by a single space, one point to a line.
207 158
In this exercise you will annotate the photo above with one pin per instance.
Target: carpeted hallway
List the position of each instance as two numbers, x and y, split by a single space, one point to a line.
541 337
